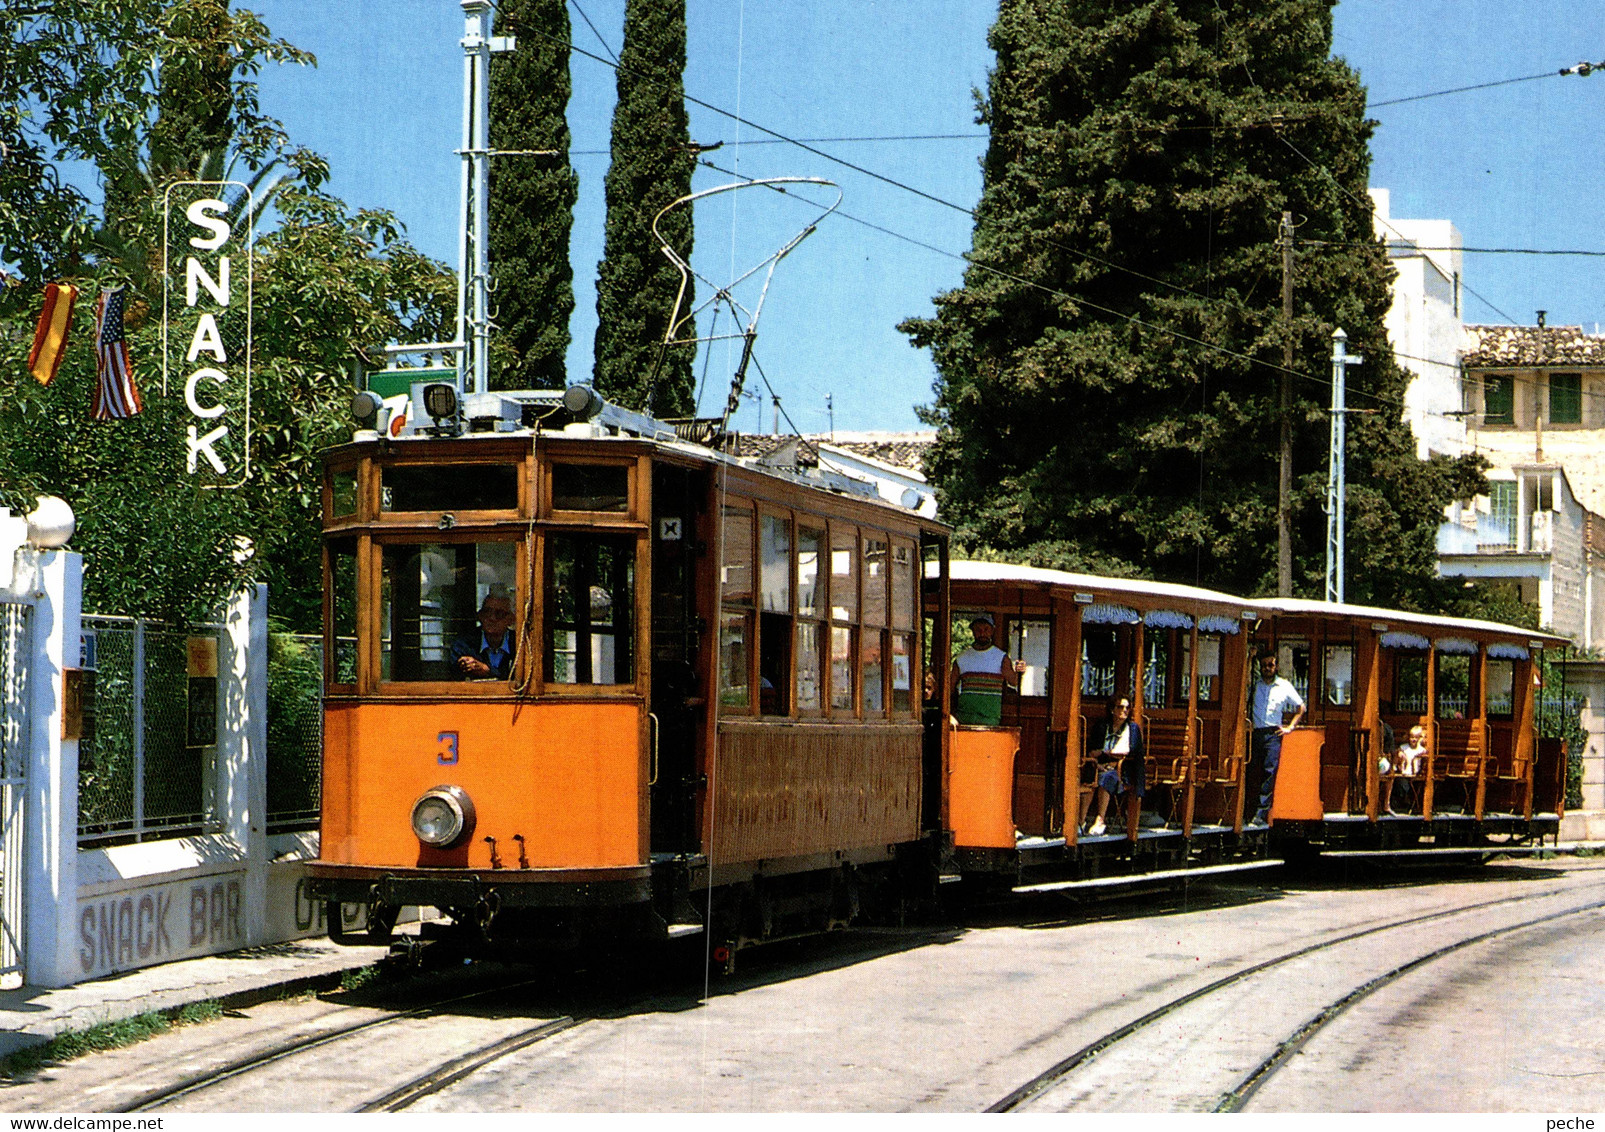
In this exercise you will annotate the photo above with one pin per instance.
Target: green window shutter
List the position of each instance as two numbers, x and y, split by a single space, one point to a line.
1565 398
1498 399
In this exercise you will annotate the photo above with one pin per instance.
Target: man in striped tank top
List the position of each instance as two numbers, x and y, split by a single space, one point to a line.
980 673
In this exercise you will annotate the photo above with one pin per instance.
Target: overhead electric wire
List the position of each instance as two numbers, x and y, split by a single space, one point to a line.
589 24
1130 319
844 163
1466 89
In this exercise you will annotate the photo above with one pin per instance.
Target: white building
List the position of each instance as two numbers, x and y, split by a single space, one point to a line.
1424 324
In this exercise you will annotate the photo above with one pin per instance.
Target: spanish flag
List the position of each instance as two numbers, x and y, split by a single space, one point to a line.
50 339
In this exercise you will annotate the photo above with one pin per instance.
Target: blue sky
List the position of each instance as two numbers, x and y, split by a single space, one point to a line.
1512 166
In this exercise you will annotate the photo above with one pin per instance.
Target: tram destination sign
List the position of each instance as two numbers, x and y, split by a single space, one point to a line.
206 324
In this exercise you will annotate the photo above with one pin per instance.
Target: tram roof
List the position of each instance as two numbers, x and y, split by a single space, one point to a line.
1394 618
970 571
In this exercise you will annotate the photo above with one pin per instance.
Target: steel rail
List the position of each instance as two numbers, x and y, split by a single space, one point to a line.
201 1081
457 1068
1047 1079
1234 1099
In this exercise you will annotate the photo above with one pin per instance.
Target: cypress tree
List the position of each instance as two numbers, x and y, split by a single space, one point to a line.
651 165
531 199
1109 372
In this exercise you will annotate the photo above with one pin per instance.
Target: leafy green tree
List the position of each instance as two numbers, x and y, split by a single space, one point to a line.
1109 372
531 198
331 286
651 166
142 90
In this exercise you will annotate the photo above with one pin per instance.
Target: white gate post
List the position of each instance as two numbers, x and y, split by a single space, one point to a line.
242 746
50 936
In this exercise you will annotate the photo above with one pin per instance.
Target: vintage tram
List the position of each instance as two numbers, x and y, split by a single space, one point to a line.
588 678
1020 794
1489 779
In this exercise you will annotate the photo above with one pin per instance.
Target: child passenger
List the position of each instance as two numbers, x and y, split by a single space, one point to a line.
1411 761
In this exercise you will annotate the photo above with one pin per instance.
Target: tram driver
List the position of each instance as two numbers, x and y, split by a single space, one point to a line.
488 654
980 673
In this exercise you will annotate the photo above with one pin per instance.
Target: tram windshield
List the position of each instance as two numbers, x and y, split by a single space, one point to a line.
590 609
431 595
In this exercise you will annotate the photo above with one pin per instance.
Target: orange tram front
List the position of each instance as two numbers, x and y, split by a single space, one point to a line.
1020 796
586 679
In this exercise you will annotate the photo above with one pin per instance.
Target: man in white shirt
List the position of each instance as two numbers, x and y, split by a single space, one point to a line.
1270 702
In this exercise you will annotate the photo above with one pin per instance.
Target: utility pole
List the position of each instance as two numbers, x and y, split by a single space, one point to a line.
1284 475
1336 487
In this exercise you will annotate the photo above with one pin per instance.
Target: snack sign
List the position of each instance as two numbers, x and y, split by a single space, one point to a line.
206 324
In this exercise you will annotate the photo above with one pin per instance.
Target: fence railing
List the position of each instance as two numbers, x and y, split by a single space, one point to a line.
294 731
147 759
15 648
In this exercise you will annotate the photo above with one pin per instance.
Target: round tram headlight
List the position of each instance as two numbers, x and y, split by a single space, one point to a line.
443 817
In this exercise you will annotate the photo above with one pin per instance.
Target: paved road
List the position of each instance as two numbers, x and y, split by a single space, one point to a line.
955 1019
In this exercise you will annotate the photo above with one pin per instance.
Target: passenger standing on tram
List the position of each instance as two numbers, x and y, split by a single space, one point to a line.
980 673
1273 697
1119 753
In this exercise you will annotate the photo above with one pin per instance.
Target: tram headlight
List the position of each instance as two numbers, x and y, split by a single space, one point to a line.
443 817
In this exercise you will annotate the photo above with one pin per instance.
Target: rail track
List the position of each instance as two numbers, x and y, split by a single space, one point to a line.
1075 1081
396 1097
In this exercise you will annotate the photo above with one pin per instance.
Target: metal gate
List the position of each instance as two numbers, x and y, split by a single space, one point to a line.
15 651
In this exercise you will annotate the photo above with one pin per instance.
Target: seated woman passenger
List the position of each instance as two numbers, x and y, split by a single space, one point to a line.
1409 763
1118 748
487 654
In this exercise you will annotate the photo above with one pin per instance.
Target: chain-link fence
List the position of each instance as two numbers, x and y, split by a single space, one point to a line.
294 731
147 760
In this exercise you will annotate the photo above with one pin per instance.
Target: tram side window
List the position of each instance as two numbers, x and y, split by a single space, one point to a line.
844 610
1410 683
1156 668
1501 687
343 492
810 609
733 661
449 487
1454 687
1098 653
1208 667
590 609
1029 641
903 593
1337 667
342 667
774 624
430 595
590 487
903 674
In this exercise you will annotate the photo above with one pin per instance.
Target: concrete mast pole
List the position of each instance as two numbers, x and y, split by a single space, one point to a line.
1284 476
473 299
472 22
1336 485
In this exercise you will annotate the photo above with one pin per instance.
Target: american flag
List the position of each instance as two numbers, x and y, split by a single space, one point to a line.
115 395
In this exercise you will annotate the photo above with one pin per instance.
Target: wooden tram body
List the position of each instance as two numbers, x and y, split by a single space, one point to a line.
712 712
1179 653
1016 794
1489 776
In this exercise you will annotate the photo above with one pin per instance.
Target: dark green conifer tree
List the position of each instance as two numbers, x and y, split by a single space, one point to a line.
531 198
1109 373
651 165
